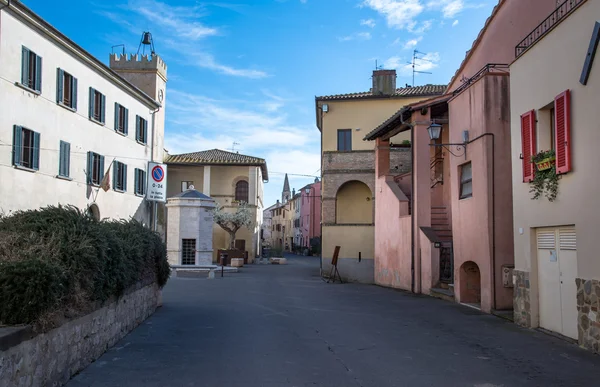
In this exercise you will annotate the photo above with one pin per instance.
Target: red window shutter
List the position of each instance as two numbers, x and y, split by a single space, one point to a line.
528 141
562 123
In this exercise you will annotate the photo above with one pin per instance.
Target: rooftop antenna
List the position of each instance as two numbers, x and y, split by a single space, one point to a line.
146 41
378 67
233 146
414 60
118 45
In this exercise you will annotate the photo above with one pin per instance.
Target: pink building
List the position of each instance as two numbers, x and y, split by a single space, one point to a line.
445 229
310 212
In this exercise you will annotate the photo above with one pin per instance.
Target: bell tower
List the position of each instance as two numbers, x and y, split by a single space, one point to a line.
149 74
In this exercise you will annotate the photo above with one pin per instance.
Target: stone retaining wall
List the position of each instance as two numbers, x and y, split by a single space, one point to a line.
52 358
588 319
522 298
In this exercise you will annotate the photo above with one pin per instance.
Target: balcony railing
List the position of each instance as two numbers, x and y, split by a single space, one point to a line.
547 25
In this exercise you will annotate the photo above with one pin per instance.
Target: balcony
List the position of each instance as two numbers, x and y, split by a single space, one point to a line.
559 14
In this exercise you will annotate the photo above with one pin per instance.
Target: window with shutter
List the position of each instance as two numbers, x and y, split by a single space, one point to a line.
26 148
528 144
140 182
97 106
95 168
31 70
120 118
120 177
141 129
64 162
66 89
344 140
562 125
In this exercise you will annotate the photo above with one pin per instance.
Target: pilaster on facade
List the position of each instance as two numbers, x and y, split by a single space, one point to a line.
206 180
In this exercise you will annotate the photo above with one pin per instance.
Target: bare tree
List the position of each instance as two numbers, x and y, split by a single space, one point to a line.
233 221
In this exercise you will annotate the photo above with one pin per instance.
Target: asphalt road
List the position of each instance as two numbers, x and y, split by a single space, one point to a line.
283 326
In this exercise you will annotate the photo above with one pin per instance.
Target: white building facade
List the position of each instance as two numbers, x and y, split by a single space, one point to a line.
67 118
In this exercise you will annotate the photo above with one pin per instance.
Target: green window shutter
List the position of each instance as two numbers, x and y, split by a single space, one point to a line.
136 178
90 167
17 144
38 73
103 109
115 174
143 182
92 99
117 117
64 160
36 151
74 92
124 177
61 159
60 74
126 121
101 168
137 128
25 67
68 159
144 131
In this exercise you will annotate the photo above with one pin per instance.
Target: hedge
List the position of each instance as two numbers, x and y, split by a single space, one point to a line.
59 262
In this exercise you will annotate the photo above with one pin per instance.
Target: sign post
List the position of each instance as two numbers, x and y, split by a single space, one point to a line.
157 182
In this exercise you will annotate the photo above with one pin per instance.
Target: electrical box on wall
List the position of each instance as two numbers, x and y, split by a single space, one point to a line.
507 276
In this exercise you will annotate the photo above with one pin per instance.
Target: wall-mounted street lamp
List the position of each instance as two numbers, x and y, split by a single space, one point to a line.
435 131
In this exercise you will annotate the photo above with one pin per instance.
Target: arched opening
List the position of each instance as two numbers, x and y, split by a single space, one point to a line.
94 211
354 204
241 191
470 283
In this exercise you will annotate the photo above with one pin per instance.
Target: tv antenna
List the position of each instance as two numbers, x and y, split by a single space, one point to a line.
146 41
378 66
414 64
233 146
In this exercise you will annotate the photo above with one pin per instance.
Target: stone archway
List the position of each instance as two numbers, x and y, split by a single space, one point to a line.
470 283
354 203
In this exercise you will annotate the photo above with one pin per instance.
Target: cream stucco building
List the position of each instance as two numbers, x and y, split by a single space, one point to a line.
348 168
229 178
554 99
66 116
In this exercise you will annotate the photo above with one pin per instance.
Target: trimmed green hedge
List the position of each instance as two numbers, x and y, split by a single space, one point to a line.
60 259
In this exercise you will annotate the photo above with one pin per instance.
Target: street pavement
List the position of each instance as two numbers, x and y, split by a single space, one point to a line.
270 325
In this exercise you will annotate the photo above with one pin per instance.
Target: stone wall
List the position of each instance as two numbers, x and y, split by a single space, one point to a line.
52 358
588 319
522 298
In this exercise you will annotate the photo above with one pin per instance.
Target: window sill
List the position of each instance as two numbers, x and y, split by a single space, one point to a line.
139 195
97 122
22 168
64 177
465 197
141 143
121 133
119 190
96 185
69 108
27 88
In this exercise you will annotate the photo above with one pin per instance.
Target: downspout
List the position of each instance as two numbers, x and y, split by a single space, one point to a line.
154 206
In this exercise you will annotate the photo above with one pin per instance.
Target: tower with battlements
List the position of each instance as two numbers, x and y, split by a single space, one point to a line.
149 74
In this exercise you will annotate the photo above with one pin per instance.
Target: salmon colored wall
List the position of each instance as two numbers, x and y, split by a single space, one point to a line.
430 263
513 21
483 107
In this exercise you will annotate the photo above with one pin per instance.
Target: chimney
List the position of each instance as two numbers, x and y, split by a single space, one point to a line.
384 82
293 192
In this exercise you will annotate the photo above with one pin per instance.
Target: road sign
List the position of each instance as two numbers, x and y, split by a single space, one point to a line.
157 183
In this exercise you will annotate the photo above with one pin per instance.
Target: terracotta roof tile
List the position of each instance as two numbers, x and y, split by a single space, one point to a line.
402 92
218 157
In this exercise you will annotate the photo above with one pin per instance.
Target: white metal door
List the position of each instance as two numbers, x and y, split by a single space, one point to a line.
567 259
557 270
548 279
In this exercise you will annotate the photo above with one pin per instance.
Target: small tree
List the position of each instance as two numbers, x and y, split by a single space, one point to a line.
233 221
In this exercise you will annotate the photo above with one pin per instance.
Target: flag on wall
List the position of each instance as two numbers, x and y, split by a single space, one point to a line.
105 184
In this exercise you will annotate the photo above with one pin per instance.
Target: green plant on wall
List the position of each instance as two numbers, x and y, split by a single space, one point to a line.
545 180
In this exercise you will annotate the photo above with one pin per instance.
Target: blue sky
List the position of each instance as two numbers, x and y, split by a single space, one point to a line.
247 71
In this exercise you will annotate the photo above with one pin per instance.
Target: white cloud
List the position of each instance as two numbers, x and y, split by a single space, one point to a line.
412 43
399 14
455 23
426 62
368 22
425 26
356 36
393 62
449 8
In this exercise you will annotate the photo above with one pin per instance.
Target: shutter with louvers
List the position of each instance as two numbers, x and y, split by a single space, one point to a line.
117 111
137 128
25 67
92 102
17 144
60 74
567 239
103 109
562 107
126 121
38 73
101 172
61 159
115 175
90 167
546 239
136 183
36 151
68 158
74 92
528 143
124 177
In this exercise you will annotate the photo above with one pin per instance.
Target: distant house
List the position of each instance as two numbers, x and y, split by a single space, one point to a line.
230 179
348 167
310 213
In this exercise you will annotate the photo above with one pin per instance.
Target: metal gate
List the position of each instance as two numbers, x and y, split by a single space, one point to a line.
447 264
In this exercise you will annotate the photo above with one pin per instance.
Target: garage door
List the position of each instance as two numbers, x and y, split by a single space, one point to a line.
557 270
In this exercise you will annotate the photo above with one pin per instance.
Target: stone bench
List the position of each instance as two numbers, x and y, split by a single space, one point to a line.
278 261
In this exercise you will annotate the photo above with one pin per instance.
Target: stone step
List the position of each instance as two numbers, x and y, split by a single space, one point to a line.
444 294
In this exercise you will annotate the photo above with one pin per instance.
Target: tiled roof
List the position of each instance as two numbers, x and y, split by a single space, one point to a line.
218 157
402 92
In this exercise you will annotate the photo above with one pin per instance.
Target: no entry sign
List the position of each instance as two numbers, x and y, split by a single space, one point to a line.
157 183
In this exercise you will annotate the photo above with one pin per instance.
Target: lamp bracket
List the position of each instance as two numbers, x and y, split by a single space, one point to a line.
458 148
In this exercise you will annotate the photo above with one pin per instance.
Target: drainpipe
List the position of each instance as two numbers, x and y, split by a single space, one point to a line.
154 206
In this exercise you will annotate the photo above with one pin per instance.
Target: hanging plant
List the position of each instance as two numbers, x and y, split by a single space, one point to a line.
545 180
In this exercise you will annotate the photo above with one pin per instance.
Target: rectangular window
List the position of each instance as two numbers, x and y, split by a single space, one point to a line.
466 181
344 140
95 168
188 251
97 106
31 70
66 89
121 119
120 177
141 129
185 185
140 182
64 161
26 148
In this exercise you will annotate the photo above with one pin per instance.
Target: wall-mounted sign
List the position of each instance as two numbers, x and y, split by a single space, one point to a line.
157 183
